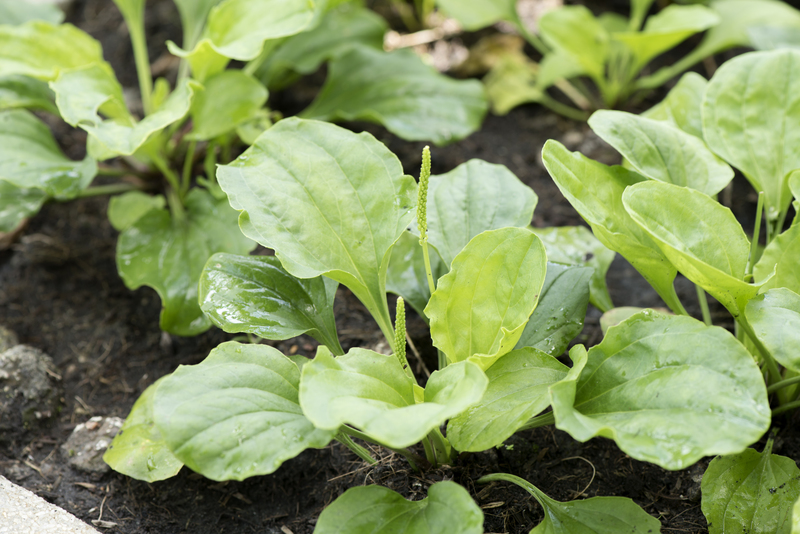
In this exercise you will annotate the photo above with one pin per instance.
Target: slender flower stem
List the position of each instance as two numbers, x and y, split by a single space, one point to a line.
786 407
701 298
142 59
783 384
360 451
188 163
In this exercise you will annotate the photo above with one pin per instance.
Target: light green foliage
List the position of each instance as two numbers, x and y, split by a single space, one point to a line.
662 152
772 37
480 308
398 90
193 18
236 414
372 392
517 391
575 245
18 91
138 450
168 255
750 492
227 100
255 294
781 258
16 12
559 315
700 237
17 203
683 106
328 201
598 515
775 317
751 118
515 80
378 510
477 14
126 209
668 389
574 31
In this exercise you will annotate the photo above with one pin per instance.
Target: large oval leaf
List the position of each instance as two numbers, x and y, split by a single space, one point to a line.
480 308
775 318
255 294
683 106
168 255
750 492
751 117
668 389
517 391
662 152
328 201
372 392
701 237
595 191
399 91
236 414
378 510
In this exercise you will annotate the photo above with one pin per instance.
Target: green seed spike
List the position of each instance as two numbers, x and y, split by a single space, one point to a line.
400 335
422 199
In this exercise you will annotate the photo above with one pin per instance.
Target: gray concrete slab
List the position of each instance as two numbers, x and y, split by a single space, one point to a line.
22 512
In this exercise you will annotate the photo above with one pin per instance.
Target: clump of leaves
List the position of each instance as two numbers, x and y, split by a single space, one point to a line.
181 132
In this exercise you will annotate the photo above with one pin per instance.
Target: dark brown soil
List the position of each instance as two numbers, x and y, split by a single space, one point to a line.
60 292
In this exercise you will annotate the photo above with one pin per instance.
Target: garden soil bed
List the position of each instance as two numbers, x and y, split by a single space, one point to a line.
60 292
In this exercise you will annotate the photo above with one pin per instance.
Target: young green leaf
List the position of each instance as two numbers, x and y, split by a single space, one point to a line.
14 12
18 203
236 414
662 152
328 201
683 106
750 492
559 316
595 191
138 450
751 119
517 391
399 91
372 392
406 276
18 91
126 209
576 245
700 237
255 294
513 81
168 255
781 257
775 318
668 389
476 14
193 18
480 308
378 510
474 197
227 100
574 30
31 159
598 515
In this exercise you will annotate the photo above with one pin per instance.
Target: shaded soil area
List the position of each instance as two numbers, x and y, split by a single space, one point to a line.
60 292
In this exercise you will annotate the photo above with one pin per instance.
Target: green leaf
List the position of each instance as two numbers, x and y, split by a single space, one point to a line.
668 389
615 316
663 152
378 510
236 414
796 517
794 184
399 91
204 61
406 276
781 257
193 18
31 158
598 515
595 191
513 81
665 30
683 106
575 245
750 492
775 318
42 50
338 31
228 99
126 209
474 197
138 450
18 203
372 392
480 308
24 92
255 294
82 95
574 30
168 255
772 37
328 201
751 118
517 391
559 316
476 14
701 237
16 12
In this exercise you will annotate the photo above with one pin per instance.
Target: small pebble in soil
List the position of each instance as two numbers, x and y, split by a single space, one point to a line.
88 442
29 390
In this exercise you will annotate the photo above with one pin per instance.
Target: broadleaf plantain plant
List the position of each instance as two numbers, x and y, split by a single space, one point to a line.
168 228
